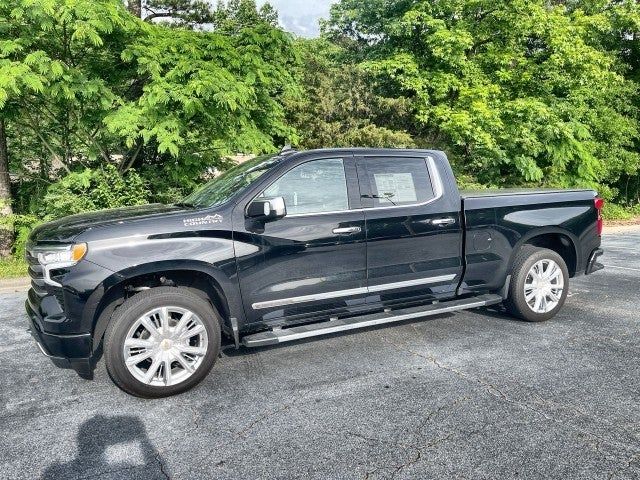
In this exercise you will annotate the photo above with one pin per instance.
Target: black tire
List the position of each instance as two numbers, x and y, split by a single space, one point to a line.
135 307
515 303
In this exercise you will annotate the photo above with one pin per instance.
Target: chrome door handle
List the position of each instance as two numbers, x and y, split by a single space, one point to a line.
347 230
443 221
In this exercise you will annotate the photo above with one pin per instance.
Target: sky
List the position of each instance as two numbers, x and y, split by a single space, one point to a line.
301 16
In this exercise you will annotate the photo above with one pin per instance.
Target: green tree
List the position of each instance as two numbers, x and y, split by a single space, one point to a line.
179 12
232 16
88 190
205 95
60 71
519 91
339 106
84 83
6 230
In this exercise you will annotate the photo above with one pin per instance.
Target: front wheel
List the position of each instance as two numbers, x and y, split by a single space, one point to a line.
539 284
161 342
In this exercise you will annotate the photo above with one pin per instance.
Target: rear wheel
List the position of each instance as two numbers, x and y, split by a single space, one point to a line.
162 342
539 284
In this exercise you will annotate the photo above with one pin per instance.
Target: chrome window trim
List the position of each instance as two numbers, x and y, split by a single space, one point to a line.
436 185
351 291
434 177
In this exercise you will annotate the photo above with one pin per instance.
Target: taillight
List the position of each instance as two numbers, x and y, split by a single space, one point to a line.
599 203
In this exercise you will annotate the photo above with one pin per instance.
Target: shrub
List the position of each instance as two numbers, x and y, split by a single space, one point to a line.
94 190
612 211
21 225
12 267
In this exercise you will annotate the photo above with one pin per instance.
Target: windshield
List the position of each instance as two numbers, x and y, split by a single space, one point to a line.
222 188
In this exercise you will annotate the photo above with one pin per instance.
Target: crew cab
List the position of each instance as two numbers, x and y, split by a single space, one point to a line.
295 245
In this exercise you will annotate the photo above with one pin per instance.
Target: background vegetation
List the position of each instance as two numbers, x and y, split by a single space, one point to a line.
105 104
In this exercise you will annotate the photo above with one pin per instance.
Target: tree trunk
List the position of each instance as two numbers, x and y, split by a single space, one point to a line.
135 7
6 230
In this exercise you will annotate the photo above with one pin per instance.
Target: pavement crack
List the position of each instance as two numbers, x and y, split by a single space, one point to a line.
498 393
633 459
164 473
487 386
417 446
418 456
242 433
266 415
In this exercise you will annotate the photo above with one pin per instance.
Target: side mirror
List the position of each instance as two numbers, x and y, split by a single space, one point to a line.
267 208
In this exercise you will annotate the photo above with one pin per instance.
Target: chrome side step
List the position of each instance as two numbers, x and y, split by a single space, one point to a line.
351 323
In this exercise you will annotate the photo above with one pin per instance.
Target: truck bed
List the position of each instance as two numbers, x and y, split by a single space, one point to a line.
498 222
495 192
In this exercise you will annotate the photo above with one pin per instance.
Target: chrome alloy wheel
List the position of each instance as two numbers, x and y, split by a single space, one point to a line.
543 286
165 346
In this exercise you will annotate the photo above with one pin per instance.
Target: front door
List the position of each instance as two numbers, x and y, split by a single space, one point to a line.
414 232
313 261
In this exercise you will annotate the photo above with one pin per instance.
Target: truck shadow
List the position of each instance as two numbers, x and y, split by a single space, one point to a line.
111 447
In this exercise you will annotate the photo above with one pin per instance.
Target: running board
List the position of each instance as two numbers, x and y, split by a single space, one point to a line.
351 323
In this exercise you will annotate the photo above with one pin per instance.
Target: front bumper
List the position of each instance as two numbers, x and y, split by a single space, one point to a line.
65 351
593 265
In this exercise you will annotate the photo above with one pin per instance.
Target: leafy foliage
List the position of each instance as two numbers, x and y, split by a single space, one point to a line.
340 107
21 226
205 95
13 268
61 72
101 108
181 12
518 92
93 190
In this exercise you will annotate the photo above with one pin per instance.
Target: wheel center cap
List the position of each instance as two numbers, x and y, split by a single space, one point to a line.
166 344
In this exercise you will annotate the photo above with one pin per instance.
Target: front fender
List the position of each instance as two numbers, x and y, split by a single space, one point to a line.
139 256
109 294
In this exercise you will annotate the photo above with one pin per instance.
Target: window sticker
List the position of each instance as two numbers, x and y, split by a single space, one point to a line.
396 187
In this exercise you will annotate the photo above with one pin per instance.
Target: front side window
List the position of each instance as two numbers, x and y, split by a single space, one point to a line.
399 181
221 189
313 187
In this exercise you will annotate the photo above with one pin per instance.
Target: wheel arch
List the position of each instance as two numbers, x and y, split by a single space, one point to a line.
201 278
561 241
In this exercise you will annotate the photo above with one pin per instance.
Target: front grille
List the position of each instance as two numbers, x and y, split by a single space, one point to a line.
38 286
37 275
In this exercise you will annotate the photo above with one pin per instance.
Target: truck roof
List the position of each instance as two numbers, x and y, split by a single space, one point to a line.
366 151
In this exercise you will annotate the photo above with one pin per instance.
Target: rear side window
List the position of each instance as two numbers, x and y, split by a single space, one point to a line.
313 187
397 181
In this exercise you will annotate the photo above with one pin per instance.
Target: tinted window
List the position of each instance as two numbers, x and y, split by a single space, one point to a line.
313 187
222 188
399 181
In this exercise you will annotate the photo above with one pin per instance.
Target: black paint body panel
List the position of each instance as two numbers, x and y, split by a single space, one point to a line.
497 225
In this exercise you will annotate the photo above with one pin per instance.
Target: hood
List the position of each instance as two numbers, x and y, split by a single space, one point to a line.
65 229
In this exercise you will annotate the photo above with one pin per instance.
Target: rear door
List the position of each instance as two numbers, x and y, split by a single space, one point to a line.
312 261
413 231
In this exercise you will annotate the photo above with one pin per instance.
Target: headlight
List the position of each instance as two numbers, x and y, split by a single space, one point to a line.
68 255
59 257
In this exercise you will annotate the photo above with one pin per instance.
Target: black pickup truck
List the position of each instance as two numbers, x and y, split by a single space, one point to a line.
295 245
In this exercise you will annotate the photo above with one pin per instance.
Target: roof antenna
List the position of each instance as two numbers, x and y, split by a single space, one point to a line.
287 149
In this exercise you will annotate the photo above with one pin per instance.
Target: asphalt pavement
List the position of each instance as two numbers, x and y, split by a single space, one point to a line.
472 395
